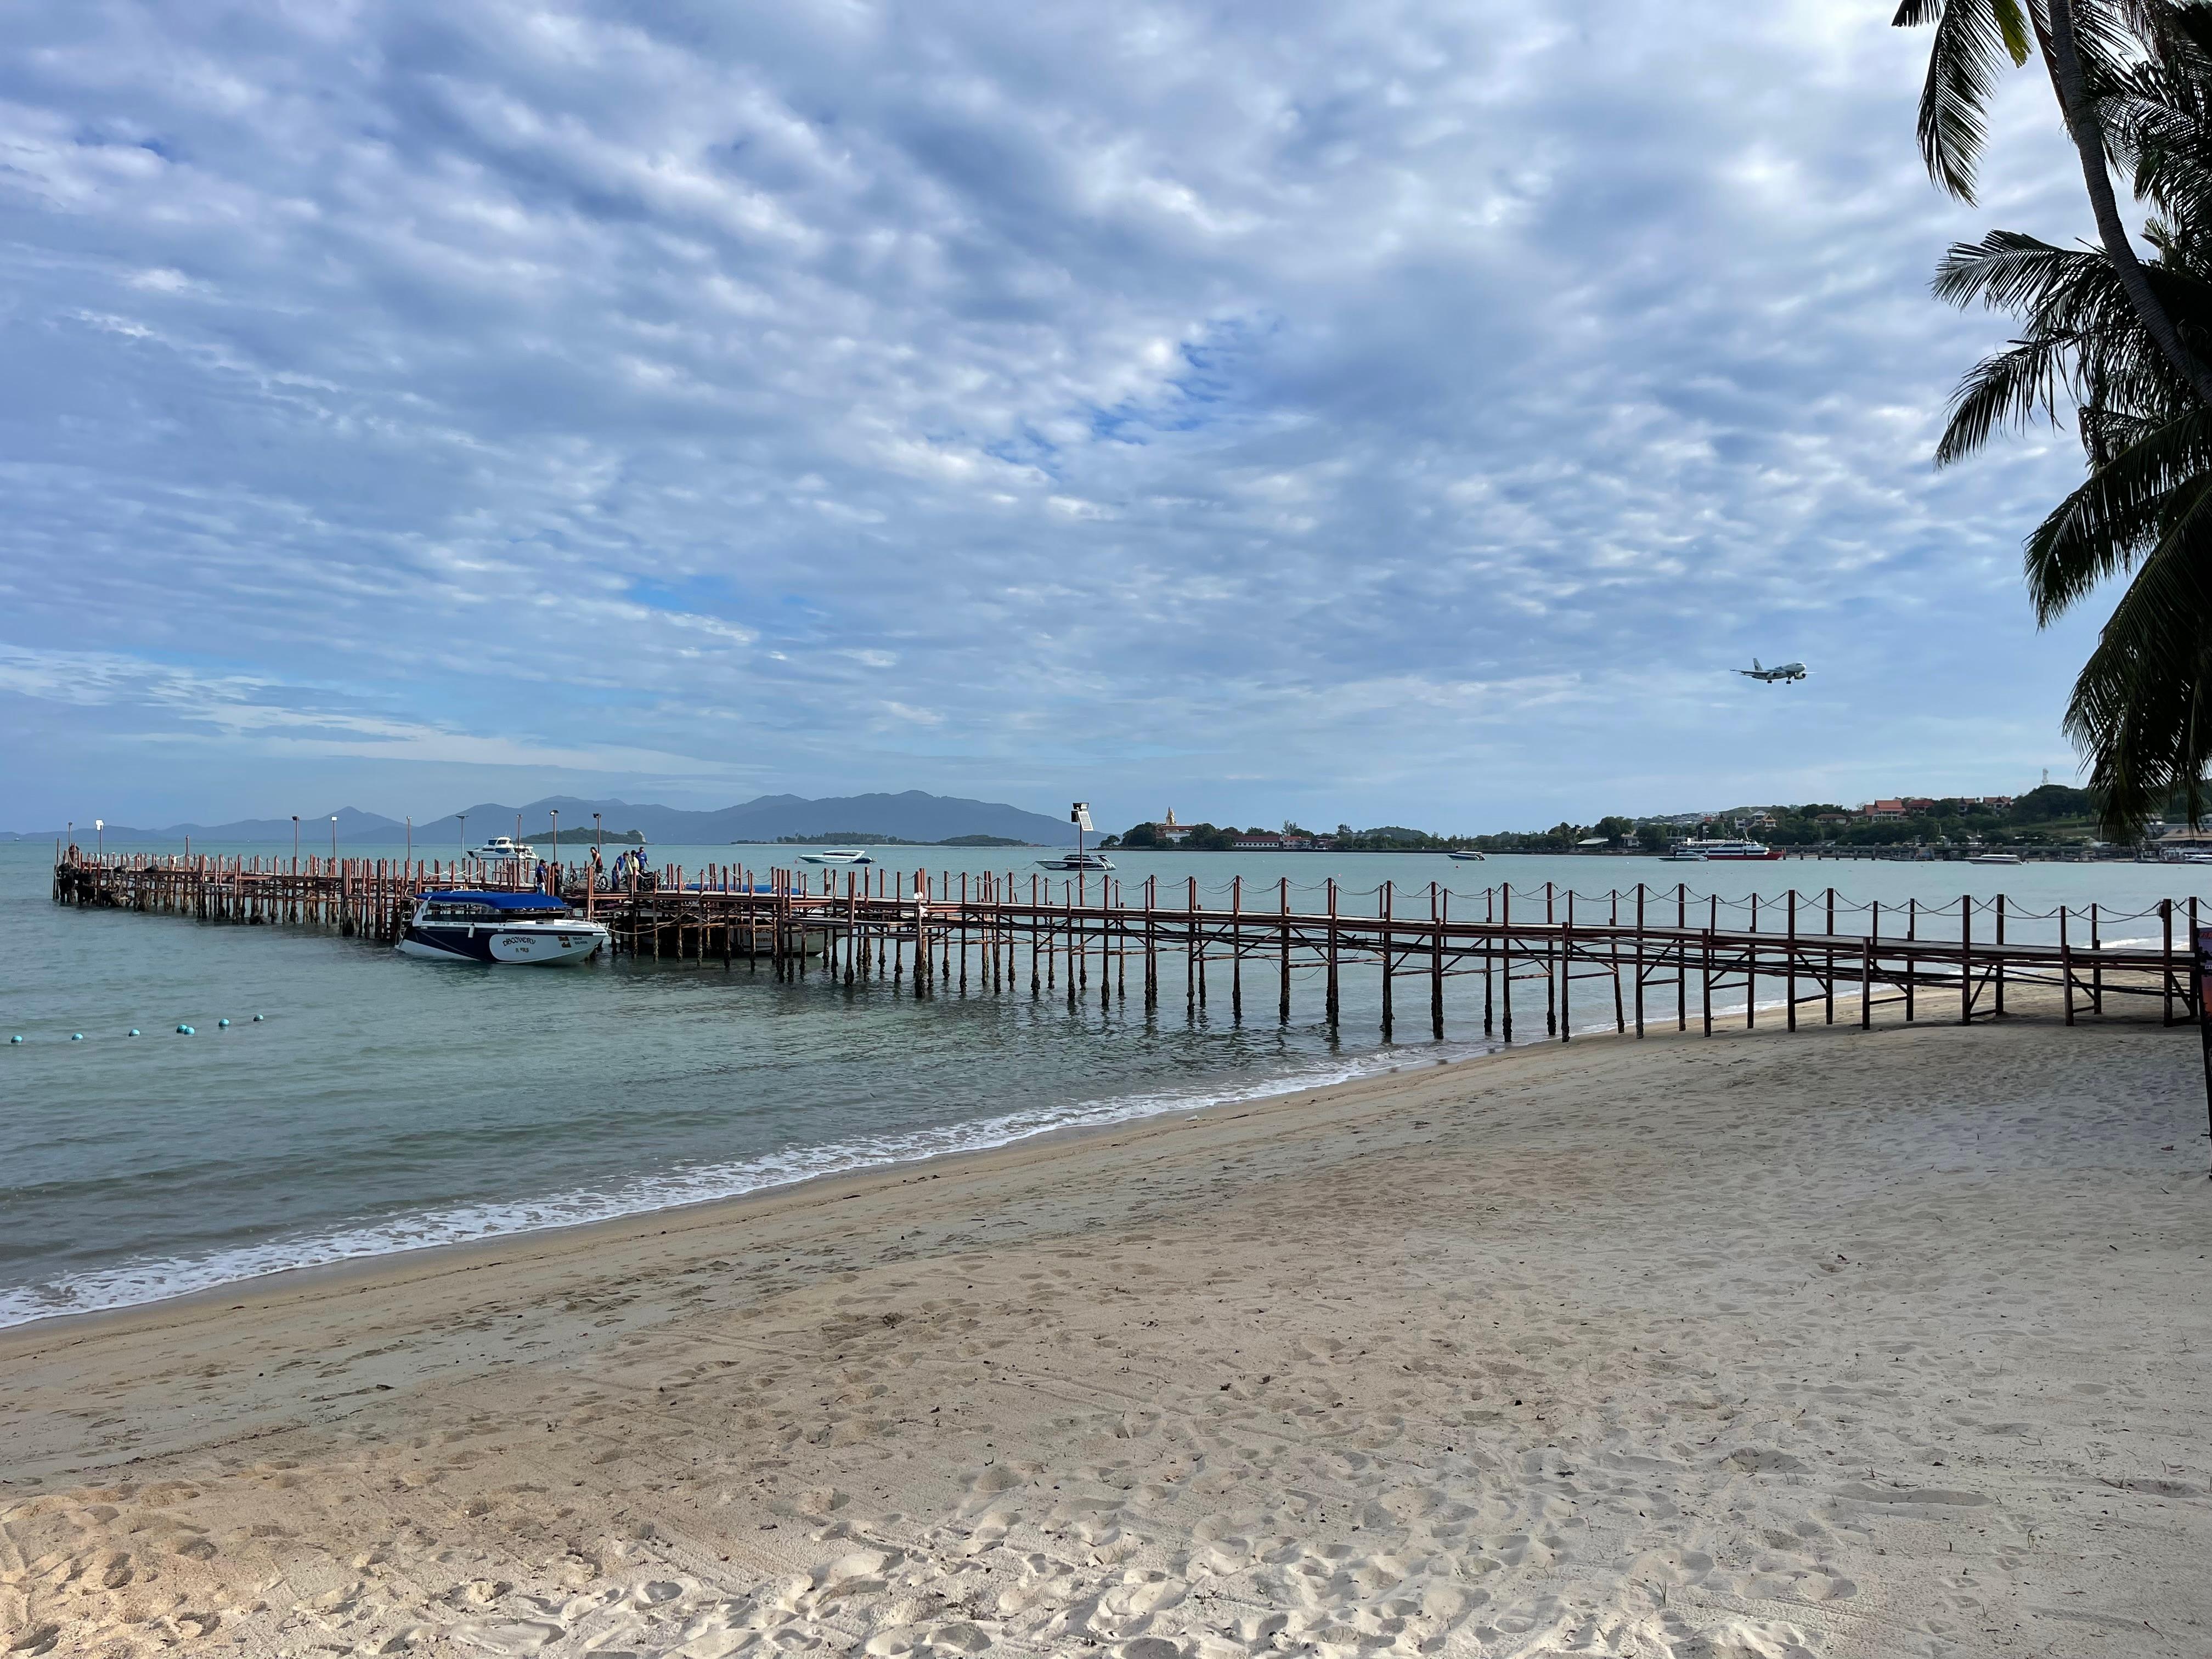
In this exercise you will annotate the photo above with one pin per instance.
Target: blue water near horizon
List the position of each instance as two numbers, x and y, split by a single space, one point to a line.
386 1104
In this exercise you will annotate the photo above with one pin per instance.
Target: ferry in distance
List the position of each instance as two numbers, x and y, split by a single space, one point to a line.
1711 851
838 855
1787 673
505 846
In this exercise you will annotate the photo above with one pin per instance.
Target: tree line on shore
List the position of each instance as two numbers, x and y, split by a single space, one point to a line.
2051 815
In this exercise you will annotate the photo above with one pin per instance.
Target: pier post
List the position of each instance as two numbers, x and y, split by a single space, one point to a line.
1283 1001
1999 980
1500 940
2165 959
1383 917
1750 971
1613 951
1331 997
1566 967
1789 973
1830 978
1035 920
1237 949
2096 963
1911 955
1151 943
1965 958
1439 909
2066 965
1639 959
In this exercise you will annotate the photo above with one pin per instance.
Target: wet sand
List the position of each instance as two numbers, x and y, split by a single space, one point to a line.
1837 1343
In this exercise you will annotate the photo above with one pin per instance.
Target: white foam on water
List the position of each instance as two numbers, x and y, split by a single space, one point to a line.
152 1280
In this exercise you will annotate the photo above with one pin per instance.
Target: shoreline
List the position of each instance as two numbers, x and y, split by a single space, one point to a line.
1201 1101
636 1221
392 1267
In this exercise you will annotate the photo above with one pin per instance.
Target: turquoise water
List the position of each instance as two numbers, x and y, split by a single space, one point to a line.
385 1104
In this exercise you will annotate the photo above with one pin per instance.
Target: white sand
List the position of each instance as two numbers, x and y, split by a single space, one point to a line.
1835 1344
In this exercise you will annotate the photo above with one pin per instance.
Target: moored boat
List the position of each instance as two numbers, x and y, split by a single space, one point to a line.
1467 853
1994 858
466 926
503 847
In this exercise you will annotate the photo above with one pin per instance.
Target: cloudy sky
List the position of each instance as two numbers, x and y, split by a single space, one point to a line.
1400 412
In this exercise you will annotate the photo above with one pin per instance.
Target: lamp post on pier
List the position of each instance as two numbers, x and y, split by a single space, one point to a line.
334 838
295 841
465 834
557 852
99 833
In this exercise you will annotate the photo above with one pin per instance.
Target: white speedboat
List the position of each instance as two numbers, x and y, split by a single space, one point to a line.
463 926
838 855
1075 861
1468 853
1682 858
1994 858
503 847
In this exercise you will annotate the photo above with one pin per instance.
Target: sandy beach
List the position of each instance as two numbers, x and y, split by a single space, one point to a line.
1840 1343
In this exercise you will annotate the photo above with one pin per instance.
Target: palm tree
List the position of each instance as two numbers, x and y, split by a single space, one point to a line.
2142 706
2084 46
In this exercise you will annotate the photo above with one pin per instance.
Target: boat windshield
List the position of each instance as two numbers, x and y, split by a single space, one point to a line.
462 910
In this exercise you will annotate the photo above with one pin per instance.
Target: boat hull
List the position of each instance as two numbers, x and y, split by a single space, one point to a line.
495 945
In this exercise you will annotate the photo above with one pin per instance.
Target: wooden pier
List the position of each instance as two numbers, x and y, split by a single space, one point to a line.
1629 959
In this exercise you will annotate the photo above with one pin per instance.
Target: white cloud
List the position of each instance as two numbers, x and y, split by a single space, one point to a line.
1309 393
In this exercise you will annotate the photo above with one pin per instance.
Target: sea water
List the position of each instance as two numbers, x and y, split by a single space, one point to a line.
381 1103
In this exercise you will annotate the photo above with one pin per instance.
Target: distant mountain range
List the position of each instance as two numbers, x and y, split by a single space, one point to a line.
911 816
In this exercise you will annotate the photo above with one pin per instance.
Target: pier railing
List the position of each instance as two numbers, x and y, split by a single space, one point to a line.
1646 955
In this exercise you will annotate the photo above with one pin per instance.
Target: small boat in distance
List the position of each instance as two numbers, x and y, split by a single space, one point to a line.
1468 853
504 847
838 855
1678 856
1075 861
1080 815
462 926
1994 858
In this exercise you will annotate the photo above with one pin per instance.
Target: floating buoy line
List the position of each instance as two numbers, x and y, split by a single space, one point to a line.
17 1040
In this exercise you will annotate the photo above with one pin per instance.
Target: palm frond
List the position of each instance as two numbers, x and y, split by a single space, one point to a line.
1974 40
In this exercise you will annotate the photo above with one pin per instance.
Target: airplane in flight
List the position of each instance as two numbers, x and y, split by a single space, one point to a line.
1786 673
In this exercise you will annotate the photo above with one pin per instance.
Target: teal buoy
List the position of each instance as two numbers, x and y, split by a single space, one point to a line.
257 1019
134 1030
222 1021
185 1030
76 1036
15 1039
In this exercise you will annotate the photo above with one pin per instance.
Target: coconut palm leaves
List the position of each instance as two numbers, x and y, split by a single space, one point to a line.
2086 47
2142 708
1975 40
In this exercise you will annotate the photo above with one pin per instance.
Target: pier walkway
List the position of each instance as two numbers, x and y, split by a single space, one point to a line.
1633 958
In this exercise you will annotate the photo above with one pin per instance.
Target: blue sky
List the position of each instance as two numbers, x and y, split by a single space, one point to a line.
1395 413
